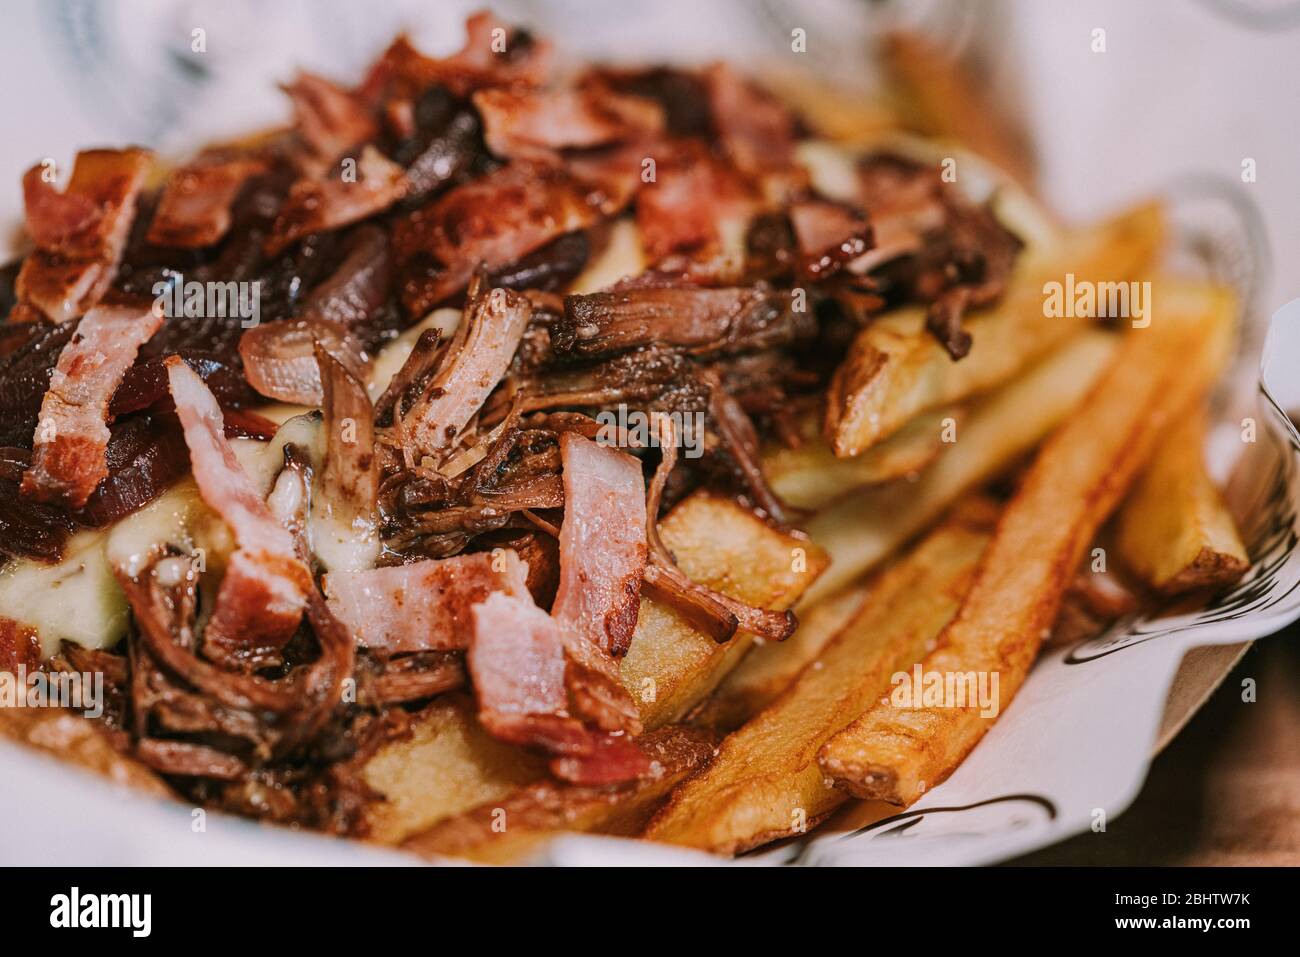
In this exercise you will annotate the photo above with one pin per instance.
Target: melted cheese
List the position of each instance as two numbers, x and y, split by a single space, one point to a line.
77 600
621 257
390 358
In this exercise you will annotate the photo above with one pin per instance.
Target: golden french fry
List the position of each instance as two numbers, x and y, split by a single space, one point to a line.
1174 531
811 475
765 782
772 666
507 830
895 752
450 764
671 665
895 369
862 529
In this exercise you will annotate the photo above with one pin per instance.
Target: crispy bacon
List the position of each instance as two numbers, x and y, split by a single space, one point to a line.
602 543
755 128
694 215
81 232
492 221
69 451
602 557
516 660
19 647
194 209
423 606
518 664
829 237
329 119
265 588
536 123
493 55
485 342
699 321
316 205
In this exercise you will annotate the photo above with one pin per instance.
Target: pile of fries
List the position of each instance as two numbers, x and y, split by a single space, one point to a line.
911 563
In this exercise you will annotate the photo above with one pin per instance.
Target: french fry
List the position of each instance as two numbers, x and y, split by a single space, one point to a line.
765 782
507 830
450 764
772 666
811 475
895 753
671 665
895 370
859 531
1174 531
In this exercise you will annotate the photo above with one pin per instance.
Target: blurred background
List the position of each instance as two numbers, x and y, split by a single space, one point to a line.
1094 103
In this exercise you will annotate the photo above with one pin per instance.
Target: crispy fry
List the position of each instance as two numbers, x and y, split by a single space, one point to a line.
895 370
862 529
450 764
1174 531
507 830
765 782
771 667
811 476
671 665
895 753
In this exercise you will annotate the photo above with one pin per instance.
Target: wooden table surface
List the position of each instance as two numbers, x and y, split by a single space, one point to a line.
1226 791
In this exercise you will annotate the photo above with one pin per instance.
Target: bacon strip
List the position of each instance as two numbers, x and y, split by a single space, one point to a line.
424 606
316 205
518 664
194 209
493 324
829 236
602 543
756 128
493 55
81 232
491 221
694 215
522 124
264 591
329 119
69 452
